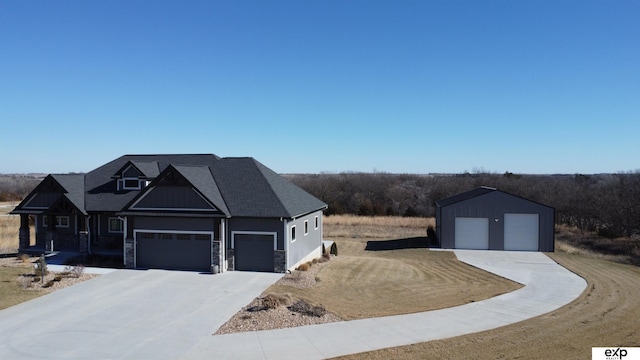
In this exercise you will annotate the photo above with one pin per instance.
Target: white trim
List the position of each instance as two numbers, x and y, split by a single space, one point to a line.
306 227
316 223
176 209
57 217
194 232
99 225
274 234
286 243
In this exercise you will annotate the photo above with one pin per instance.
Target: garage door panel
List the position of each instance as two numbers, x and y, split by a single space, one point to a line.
472 233
173 251
254 252
521 232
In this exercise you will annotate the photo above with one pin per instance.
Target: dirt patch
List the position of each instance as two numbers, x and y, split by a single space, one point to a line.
604 315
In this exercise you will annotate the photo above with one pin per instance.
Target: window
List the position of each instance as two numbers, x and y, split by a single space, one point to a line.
293 233
306 227
61 221
115 225
129 184
317 223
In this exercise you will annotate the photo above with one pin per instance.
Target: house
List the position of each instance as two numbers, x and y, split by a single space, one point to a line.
488 219
197 212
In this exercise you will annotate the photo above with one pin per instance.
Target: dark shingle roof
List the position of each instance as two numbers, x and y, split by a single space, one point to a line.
74 185
236 186
102 194
250 189
200 177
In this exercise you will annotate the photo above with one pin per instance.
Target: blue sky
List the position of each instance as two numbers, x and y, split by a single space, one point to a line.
323 86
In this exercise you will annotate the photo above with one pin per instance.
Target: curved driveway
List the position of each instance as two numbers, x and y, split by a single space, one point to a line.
171 315
548 286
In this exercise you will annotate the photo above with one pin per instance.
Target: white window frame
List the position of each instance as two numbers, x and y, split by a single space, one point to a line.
292 233
123 184
111 230
317 222
306 227
58 221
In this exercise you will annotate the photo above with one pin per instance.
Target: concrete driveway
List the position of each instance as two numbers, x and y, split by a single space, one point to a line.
130 314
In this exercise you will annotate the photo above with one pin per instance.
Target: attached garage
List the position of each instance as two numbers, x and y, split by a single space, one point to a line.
169 250
254 251
489 219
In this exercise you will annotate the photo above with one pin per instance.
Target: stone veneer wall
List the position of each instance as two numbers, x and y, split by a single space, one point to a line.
129 253
279 261
230 260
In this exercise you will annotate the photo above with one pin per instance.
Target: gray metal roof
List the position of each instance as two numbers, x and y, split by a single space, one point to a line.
465 196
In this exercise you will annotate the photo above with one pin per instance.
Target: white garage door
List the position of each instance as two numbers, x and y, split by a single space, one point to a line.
472 233
521 232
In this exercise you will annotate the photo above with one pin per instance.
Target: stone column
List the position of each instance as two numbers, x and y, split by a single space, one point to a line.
216 256
24 236
129 253
83 242
280 261
230 260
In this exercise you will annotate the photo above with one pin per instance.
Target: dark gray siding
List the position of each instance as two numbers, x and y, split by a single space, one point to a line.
172 197
494 205
174 224
257 225
42 200
304 244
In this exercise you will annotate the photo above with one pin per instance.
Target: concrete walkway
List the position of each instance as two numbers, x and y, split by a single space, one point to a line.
548 286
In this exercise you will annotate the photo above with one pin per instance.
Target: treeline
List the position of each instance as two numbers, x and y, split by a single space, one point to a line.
607 203
16 187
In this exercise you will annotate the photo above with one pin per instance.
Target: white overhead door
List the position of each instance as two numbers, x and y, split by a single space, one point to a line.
521 232
472 233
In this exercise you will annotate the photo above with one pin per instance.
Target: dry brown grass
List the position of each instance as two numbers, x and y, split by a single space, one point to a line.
375 227
605 315
572 240
9 228
361 283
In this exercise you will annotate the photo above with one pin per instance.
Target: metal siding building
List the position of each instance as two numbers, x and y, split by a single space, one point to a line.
489 219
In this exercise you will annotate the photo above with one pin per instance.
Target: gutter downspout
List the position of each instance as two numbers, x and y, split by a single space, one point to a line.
124 239
88 234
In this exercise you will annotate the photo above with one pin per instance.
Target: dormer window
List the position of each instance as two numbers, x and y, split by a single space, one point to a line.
135 175
130 184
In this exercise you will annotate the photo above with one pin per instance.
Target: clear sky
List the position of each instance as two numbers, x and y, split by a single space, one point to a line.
323 86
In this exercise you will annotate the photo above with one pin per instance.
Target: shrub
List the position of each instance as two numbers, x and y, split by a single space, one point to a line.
304 308
24 282
74 271
304 267
24 258
40 267
272 301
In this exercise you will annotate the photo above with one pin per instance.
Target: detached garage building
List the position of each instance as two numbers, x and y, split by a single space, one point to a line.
489 219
